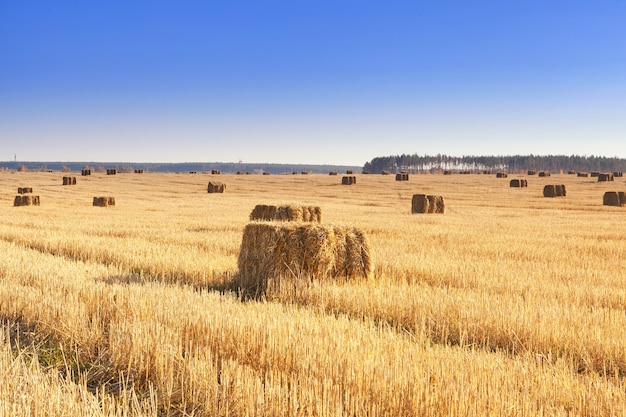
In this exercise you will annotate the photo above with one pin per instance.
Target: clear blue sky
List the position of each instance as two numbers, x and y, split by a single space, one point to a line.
304 81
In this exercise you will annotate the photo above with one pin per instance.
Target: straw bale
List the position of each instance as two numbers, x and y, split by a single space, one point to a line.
85 172
531 172
595 174
554 190
518 182
501 175
215 172
111 171
544 174
69 180
605 177
24 190
332 173
582 174
26 200
103 201
612 198
287 213
300 251
348 180
216 187
403 176
422 203
618 174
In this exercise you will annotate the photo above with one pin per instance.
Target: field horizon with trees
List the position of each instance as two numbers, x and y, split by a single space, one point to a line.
507 304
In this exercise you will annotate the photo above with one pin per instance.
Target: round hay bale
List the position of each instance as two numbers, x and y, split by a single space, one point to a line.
549 190
419 203
216 187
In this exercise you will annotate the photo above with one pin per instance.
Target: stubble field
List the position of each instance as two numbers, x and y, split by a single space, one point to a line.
509 304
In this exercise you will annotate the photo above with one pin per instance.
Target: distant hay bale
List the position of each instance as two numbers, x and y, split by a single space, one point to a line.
26 200
501 175
349 172
447 172
111 171
332 173
618 174
103 201
85 172
422 203
531 172
239 173
595 174
605 177
25 190
403 176
544 174
348 180
385 172
215 172
139 171
614 198
554 190
571 172
69 180
518 183
582 174
300 251
287 213
266 173
216 187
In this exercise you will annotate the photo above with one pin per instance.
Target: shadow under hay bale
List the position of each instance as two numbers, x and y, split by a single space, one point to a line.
296 251
216 187
554 190
26 200
103 201
614 198
422 203
287 213
25 190
518 183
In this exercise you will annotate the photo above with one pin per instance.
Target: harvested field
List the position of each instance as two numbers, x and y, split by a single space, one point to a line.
476 312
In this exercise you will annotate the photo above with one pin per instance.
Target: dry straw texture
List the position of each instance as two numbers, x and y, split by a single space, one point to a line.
297 250
287 213
103 201
422 203
216 187
26 200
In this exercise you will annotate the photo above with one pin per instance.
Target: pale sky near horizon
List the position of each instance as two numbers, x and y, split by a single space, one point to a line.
309 82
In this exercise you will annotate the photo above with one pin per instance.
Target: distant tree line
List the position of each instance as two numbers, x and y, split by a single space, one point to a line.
224 167
514 163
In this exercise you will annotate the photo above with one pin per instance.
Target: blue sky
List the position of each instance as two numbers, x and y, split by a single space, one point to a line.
320 82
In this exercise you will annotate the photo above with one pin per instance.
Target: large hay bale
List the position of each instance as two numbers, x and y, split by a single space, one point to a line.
69 180
605 177
287 213
518 183
348 180
216 187
103 201
613 198
111 171
26 200
618 174
300 251
25 190
85 172
422 203
554 190
403 176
